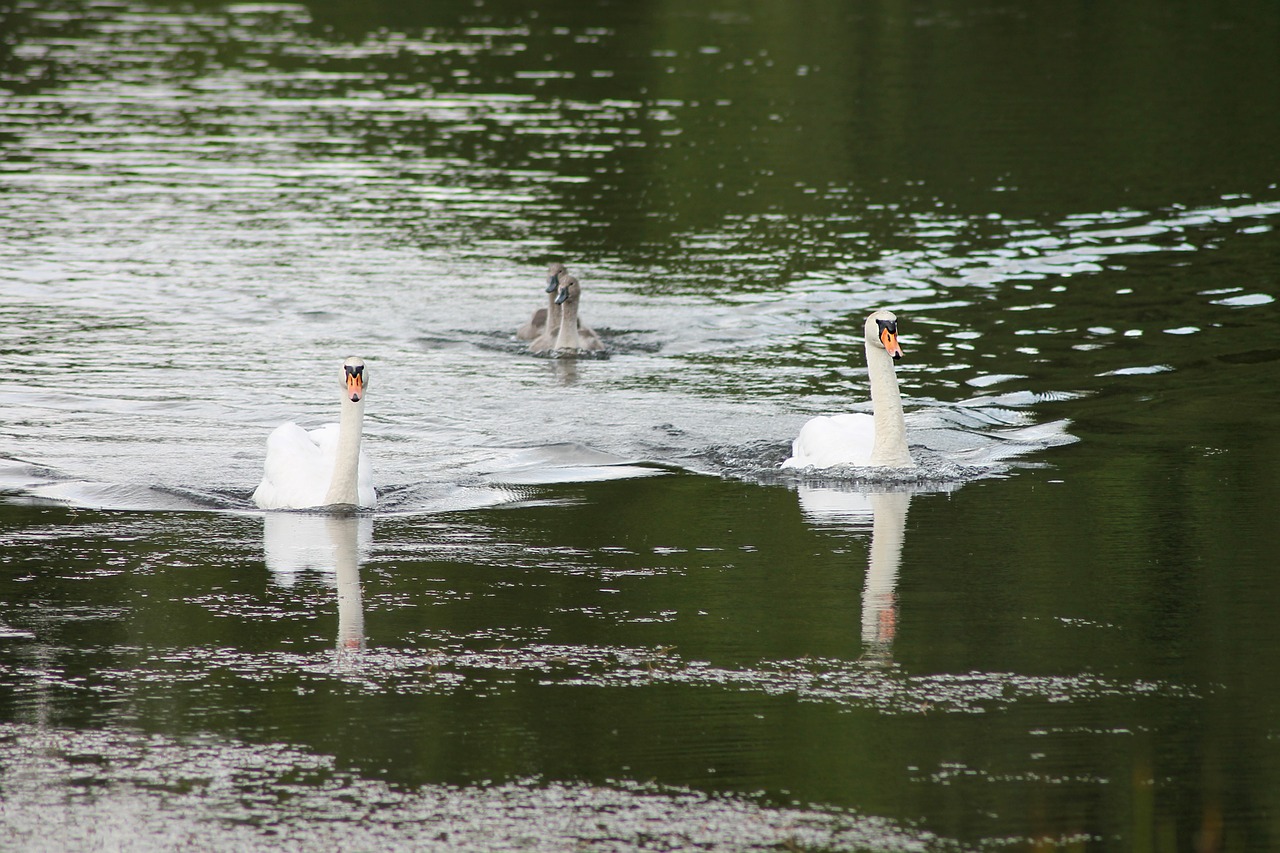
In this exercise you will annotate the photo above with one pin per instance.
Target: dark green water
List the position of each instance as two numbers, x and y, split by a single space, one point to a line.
589 613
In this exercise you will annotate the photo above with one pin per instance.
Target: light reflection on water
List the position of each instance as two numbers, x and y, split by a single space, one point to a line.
196 210
203 211
324 804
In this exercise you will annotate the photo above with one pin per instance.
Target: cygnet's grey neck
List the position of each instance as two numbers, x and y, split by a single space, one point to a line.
553 314
568 338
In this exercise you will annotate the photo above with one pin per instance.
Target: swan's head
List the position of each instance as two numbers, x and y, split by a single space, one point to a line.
570 290
881 330
554 272
354 380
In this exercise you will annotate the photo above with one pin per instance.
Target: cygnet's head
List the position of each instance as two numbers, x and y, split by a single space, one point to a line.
881 330
554 272
354 379
570 290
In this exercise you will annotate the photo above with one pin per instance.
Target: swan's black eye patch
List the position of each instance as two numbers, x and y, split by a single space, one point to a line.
889 326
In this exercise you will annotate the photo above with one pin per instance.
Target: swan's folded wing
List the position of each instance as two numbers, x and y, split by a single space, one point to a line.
325 440
295 469
590 340
835 440
534 327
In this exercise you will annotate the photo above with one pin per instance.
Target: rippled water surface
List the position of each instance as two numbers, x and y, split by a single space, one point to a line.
590 612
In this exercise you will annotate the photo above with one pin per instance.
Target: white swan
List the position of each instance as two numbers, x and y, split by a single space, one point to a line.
878 440
325 466
538 324
573 336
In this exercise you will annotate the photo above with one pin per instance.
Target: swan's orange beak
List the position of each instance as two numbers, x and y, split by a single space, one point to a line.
355 386
889 337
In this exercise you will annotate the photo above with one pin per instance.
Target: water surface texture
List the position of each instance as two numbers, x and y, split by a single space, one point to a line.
590 612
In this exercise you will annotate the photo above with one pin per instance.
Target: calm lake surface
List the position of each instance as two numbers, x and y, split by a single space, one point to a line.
589 611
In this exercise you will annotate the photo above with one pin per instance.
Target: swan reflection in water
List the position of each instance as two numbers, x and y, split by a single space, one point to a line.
330 545
566 370
886 513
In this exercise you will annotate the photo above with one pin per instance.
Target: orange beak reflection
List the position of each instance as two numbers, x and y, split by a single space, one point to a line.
890 340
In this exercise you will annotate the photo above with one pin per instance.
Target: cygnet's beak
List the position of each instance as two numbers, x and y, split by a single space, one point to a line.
564 294
889 337
355 384
553 282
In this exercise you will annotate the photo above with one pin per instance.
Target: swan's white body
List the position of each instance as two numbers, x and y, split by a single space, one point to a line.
545 321
573 336
323 467
829 441
878 440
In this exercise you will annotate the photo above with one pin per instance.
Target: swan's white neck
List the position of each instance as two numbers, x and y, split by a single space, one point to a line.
344 487
568 339
890 447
